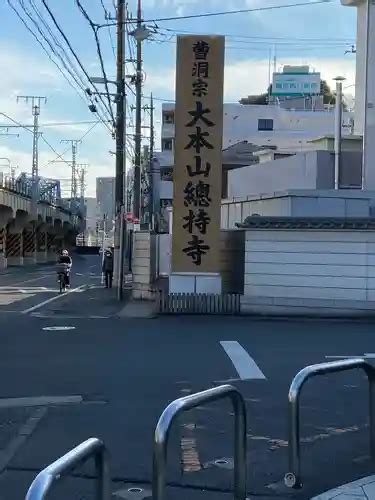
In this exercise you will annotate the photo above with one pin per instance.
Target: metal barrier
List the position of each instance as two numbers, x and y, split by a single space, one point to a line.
191 303
293 478
45 480
187 403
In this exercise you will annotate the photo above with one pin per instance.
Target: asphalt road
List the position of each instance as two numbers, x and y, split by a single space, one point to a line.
124 372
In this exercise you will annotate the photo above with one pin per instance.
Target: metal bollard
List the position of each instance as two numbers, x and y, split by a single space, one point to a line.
293 478
47 478
187 403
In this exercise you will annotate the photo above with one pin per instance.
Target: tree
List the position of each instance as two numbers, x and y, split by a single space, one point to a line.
328 96
261 99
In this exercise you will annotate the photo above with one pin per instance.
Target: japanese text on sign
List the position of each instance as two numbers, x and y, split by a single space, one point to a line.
198 154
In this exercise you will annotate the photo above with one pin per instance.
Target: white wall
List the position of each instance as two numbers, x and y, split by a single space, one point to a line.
305 271
293 172
298 203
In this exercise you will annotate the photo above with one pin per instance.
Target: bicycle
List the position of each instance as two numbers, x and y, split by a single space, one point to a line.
62 273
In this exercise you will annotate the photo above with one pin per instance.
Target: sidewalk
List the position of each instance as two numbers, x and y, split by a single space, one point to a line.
363 489
91 302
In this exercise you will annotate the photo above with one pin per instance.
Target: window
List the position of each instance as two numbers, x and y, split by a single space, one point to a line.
168 117
167 144
265 124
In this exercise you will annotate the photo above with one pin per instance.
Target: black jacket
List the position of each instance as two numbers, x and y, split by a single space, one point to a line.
108 263
65 259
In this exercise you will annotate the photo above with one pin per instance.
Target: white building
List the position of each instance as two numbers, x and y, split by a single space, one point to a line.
271 127
105 196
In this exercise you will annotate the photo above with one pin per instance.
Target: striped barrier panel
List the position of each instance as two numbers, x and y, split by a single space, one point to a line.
50 241
29 242
42 241
3 234
14 245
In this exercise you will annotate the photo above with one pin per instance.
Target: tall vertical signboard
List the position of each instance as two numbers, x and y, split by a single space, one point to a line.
198 154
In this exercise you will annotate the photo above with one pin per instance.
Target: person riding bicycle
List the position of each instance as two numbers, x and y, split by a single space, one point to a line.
65 258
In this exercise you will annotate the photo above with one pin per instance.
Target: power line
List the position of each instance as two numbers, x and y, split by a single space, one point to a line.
107 16
40 43
45 38
265 38
59 45
232 12
99 51
31 131
80 140
74 53
48 54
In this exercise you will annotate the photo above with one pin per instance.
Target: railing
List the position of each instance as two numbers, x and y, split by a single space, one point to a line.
293 477
46 479
15 186
23 188
187 403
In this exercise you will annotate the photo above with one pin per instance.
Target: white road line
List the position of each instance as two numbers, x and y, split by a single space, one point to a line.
31 280
368 355
246 367
39 401
52 299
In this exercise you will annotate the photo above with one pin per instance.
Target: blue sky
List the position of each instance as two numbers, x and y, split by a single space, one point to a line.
27 70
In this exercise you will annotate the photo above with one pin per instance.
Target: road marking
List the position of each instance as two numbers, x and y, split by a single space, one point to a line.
39 401
58 328
246 367
23 434
368 355
52 299
31 280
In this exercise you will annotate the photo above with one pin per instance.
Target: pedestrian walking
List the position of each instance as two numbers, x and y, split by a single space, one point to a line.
108 268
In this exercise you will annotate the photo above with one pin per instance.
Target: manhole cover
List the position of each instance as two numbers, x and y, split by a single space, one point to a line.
58 328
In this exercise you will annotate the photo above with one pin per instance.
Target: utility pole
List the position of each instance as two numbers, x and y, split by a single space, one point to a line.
35 108
120 228
151 109
73 190
81 169
138 120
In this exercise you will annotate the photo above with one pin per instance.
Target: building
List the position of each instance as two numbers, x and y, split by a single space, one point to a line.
105 196
276 128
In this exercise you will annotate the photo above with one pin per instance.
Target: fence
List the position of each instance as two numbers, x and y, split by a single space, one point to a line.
46 479
191 303
293 477
187 403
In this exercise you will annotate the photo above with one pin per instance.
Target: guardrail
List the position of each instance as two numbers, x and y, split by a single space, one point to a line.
47 478
293 477
166 420
15 186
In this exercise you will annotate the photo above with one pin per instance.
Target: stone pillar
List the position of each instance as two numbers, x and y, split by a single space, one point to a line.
29 245
3 259
41 249
14 248
364 122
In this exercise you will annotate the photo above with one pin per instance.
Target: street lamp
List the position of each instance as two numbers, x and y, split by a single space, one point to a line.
338 128
101 80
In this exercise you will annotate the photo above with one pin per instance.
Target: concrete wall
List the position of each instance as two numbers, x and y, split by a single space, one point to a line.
312 170
143 258
294 172
309 272
298 203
